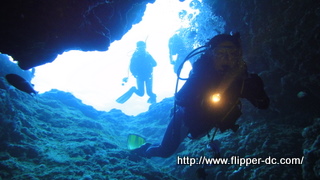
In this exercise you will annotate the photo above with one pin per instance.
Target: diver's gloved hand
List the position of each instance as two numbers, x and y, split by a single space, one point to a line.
253 86
253 90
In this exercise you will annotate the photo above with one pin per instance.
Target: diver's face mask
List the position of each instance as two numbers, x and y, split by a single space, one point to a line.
226 56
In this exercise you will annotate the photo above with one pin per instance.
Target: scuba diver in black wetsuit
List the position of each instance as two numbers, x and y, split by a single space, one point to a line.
141 67
211 96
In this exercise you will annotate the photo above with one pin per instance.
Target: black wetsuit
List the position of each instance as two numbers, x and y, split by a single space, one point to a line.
193 114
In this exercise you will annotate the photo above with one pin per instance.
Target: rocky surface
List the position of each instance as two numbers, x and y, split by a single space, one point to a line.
55 136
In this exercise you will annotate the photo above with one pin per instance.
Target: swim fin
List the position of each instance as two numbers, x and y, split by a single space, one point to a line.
126 96
135 141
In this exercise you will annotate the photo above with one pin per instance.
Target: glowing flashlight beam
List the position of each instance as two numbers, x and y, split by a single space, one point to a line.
216 97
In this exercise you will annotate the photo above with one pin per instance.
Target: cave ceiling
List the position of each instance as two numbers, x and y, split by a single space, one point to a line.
34 32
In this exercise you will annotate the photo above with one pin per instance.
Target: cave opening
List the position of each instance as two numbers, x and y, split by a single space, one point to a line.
96 77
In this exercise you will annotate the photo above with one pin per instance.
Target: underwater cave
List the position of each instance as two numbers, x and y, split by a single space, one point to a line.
77 55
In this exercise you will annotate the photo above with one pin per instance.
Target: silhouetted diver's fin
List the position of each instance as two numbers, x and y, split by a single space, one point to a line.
126 96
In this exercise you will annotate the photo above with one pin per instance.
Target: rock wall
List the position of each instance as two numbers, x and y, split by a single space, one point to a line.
281 41
34 32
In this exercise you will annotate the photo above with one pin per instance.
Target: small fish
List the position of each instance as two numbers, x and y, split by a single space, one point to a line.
20 83
301 94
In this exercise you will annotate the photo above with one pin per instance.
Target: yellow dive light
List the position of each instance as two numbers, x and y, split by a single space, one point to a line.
216 97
